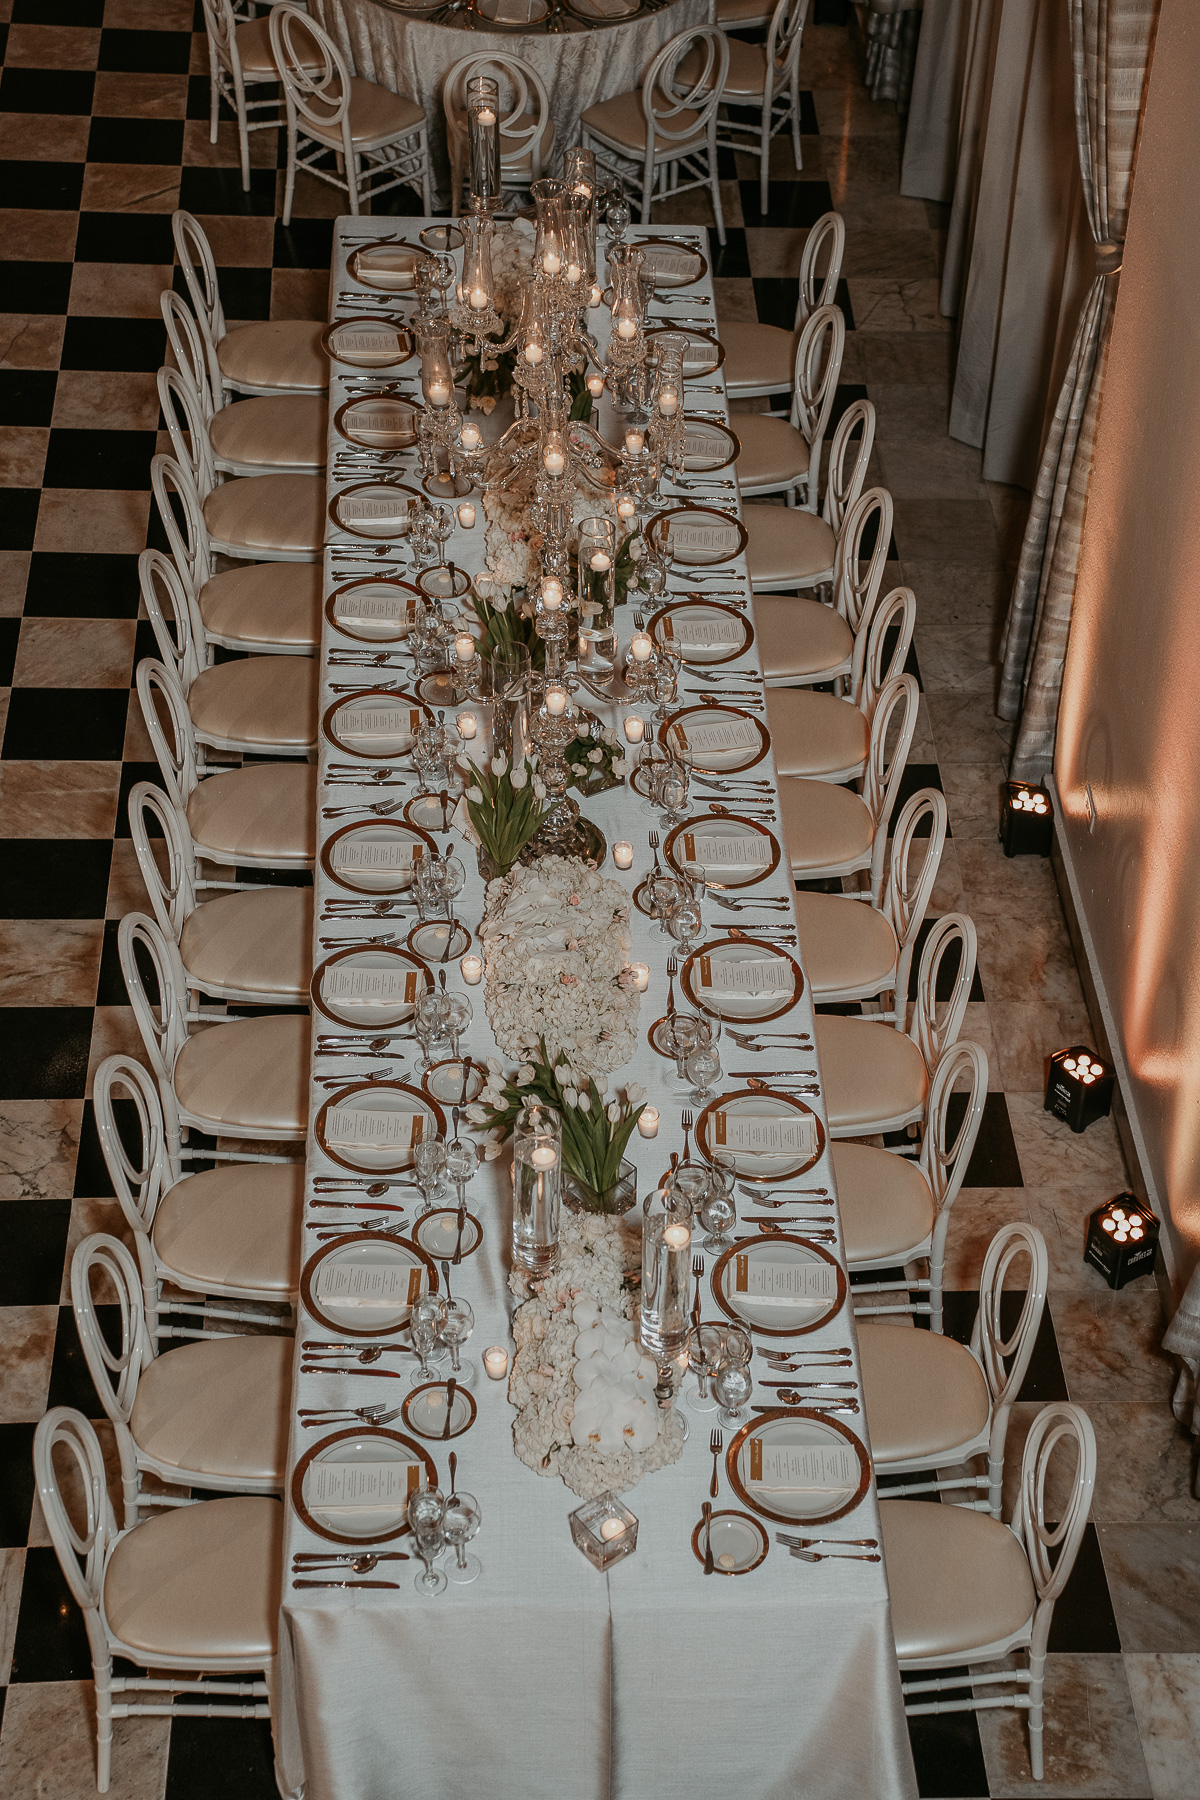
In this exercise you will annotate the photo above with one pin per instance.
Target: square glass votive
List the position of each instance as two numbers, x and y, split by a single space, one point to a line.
604 1530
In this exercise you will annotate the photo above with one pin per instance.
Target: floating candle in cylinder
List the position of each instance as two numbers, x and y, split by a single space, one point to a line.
635 729
466 514
623 854
467 724
626 507
552 593
471 970
666 1273
600 560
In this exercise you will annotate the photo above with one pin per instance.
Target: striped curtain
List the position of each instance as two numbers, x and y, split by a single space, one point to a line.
1111 44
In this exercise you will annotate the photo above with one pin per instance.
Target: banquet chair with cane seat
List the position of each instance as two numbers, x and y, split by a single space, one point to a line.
784 455
932 1403
259 817
193 1593
966 1589
761 359
791 547
277 356
828 831
265 705
526 124
239 1078
877 1077
896 1211
765 76
253 946
256 607
212 1414
239 57
827 736
378 138
276 434
218 1236
669 125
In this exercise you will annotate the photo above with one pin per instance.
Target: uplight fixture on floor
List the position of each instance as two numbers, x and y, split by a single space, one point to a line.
1080 1087
1026 820
1122 1240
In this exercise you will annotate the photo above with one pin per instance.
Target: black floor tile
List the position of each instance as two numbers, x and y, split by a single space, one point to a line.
70 1382
304 244
397 203
131 774
220 190
157 141
10 631
948 1755
146 644
51 1641
1084 1622
16 1484
33 1236
732 257
232 1757
775 299
947 969
145 52
915 777
245 293
66 724
48 186
27 395
120 344
1044 1379
54 878
35 287
124 237
845 395
99 459
68 585
46 91
994 1161
91 1175
58 12
44 1052
789 203
110 988
18 517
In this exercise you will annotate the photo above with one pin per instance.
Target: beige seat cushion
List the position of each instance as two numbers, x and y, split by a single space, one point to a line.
871 1072
247 1077
282 431
260 606
757 356
515 153
816 734
279 353
846 944
884 1200
200 1581
236 1226
742 12
622 121
267 813
375 114
824 827
798 636
269 515
924 1393
218 1408
747 70
260 943
254 49
959 1580
773 454
266 703
786 543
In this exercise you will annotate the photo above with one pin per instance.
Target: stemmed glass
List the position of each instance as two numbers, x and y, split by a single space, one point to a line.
680 1037
462 1521
459 1014
666 685
429 1159
457 1327
429 754
441 526
686 923
430 1022
705 1344
718 1209
671 792
426 1319
702 1068
733 1385
426 1515
461 1164
428 885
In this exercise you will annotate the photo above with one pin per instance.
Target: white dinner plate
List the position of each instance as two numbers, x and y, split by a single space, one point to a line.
754 1165
388 1097
359 1524
376 856
774 1318
779 973
800 1430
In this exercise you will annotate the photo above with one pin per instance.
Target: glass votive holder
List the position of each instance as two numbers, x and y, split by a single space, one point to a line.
467 724
466 514
605 1530
641 976
648 1121
622 854
634 729
495 1362
471 970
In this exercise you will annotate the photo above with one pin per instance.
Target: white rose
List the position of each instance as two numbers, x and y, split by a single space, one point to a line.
620 765
595 756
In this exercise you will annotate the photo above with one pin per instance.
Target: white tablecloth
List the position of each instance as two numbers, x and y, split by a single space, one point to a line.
545 1680
411 56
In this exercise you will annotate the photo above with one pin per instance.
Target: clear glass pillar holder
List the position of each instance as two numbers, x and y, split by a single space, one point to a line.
666 1275
483 141
537 1189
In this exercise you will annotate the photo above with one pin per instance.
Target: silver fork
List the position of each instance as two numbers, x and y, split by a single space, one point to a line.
672 971
791 1542
685 1119
652 839
716 1444
374 1413
381 809
816 1556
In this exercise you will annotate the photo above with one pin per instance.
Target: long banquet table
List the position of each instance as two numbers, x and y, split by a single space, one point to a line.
545 1679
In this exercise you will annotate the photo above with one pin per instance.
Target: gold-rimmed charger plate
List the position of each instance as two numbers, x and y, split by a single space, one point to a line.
698 537
776 1319
675 265
370 734
438 941
365 342
367 856
799 1428
490 12
704 354
374 609
375 509
703 632
738 1542
444 1081
421 1408
382 965
378 422
684 735
437 1232
369 1250
386 267
742 1003
726 874
384 1097
708 445
759 1166
376 1445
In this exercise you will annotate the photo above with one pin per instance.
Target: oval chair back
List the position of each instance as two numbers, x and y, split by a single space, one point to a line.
525 119
857 580
946 1149
313 73
104 1261
881 650
847 470
909 882
174 616
157 989
139 1186
155 824
936 1023
182 518
887 755
200 278
188 428
169 726
817 367
827 236
81 1544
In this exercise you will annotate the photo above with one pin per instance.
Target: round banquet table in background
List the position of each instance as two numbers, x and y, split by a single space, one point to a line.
579 67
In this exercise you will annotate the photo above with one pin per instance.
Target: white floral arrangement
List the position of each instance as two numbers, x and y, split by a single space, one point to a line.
513 547
556 946
582 1387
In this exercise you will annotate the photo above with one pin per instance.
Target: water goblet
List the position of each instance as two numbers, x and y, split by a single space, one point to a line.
666 686
463 1518
453 877
666 893
427 885
686 924
718 1210
704 1344
457 1326
702 1068
737 1346
429 1160
673 789
690 1182
426 1515
459 1014
425 1328
682 1035
461 1163
732 1386
429 754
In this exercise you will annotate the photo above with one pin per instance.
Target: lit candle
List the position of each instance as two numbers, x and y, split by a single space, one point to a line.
623 854
573 273
472 437
553 460
668 402
466 513
439 393
464 647
478 298
600 561
634 441
556 701
677 1237
544 1156
648 1121
552 593
641 976
495 1363
635 729
626 507
471 969
467 724
626 329
533 354
552 262
640 647
595 297
612 1528
595 386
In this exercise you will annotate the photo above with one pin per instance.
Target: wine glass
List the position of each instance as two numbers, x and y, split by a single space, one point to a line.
686 923
430 1021
718 1210
732 1385
457 1326
453 877
427 884
704 1346
459 1013
666 893
682 1035
702 1068
429 1159
690 1182
737 1346
617 212
442 524
461 1163
666 686
426 1515
673 788
425 1327
429 755
461 1522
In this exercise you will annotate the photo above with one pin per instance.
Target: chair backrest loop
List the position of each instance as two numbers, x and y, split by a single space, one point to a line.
173 614
937 1022
313 72
157 989
950 1134
909 881
200 278
188 427
1055 1425
681 108
849 456
881 649
169 725
1005 1354
827 235
122 1082
187 345
783 41
172 892
817 367
221 27
103 1260
82 1553
856 581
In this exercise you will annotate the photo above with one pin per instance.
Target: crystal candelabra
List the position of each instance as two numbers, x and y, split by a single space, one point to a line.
554 726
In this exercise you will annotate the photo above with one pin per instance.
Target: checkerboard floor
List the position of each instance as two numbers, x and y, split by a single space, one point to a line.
103 131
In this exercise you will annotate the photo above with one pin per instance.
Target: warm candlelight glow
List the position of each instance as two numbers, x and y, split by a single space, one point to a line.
478 298
552 593
544 1156
472 437
533 353
626 506
553 460
467 724
677 1237
626 329
635 729
556 701
648 1121
641 976
635 442
612 1528
595 386
600 561
640 646
552 262
668 402
595 297
439 393
464 646
495 1363
471 969
573 273
622 854
466 513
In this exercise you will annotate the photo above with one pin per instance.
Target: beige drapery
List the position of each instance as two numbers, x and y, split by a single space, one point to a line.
1111 44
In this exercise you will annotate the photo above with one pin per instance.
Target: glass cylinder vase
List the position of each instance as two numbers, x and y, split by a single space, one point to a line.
596 571
510 682
483 139
549 254
537 1188
666 1274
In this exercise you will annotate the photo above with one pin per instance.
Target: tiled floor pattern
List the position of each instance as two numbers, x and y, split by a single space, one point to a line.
103 110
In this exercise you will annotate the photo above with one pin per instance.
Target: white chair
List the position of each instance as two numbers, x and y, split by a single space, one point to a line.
279 434
253 946
239 57
790 547
761 359
280 356
193 1593
260 817
526 125
768 76
740 15
784 455
256 607
233 1231
668 126
263 705
829 832
827 736
966 1589
237 1078
933 1404
211 1415
800 640
854 952
376 137
895 1211
877 1077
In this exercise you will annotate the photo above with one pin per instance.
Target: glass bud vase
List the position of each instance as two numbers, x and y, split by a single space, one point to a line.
666 1274
537 1188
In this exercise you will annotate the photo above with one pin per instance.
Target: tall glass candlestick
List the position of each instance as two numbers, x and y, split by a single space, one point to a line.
666 1274
483 140
537 1188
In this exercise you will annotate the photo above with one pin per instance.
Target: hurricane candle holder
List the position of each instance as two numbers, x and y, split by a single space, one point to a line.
477 317
537 1188
666 1274
483 141
596 577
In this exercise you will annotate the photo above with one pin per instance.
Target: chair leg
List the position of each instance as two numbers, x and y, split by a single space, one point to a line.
244 144
1037 1672
102 1674
797 152
214 95
426 185
764 167
352 182
289 186
715 184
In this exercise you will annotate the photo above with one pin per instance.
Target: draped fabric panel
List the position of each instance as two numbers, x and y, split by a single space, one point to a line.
1111 45
931 138
893 27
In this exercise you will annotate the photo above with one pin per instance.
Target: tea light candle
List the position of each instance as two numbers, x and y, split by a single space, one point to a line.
495 1363
467 724
544 1156
612 1528
478 299
472 437
677 1237
573 273
600 561
552 593
556 701
668 402
626 507
648 1121
635 442
533 354
623 854
640 646
595 297
471 970
552 262
641 976
635 729
595 386
554 461
466 514
439 393
464 647
626 329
